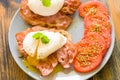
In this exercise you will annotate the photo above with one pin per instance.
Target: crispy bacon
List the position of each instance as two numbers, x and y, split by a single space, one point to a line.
59 21
67 52
47 66
70 6
20 37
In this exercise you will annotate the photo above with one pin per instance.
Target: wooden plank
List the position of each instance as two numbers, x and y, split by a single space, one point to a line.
114 6
8 68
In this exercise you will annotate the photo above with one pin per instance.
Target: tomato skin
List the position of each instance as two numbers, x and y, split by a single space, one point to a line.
92 7
90 52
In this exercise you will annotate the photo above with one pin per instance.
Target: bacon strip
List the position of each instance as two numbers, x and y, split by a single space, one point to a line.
70 6
58 21
47 66
67 52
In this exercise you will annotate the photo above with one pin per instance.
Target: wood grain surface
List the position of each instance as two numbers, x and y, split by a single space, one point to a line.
9 69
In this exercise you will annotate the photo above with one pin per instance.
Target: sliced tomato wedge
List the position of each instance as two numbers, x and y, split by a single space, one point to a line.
99 19
95 43
100 30
90 52
87 65
91 8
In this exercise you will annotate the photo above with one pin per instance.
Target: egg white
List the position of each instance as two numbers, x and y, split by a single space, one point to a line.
30 44
37 7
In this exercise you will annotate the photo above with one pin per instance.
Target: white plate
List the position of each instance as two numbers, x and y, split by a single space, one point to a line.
76 30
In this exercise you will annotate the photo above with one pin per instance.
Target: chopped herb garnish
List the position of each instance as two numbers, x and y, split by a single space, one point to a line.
37 35
46 3
41 36
45 39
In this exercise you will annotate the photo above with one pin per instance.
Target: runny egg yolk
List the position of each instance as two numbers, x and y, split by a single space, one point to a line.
41 50
39 8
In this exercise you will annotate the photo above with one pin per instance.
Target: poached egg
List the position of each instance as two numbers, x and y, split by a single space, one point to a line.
41 50
37 7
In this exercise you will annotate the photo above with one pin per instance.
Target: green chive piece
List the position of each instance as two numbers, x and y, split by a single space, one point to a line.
46 3
41 36
45 39
37 35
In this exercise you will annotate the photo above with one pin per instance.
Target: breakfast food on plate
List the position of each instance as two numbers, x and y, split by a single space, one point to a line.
44 48
49 13
97 36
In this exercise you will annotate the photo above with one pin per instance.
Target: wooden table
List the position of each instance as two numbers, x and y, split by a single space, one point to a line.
9 69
